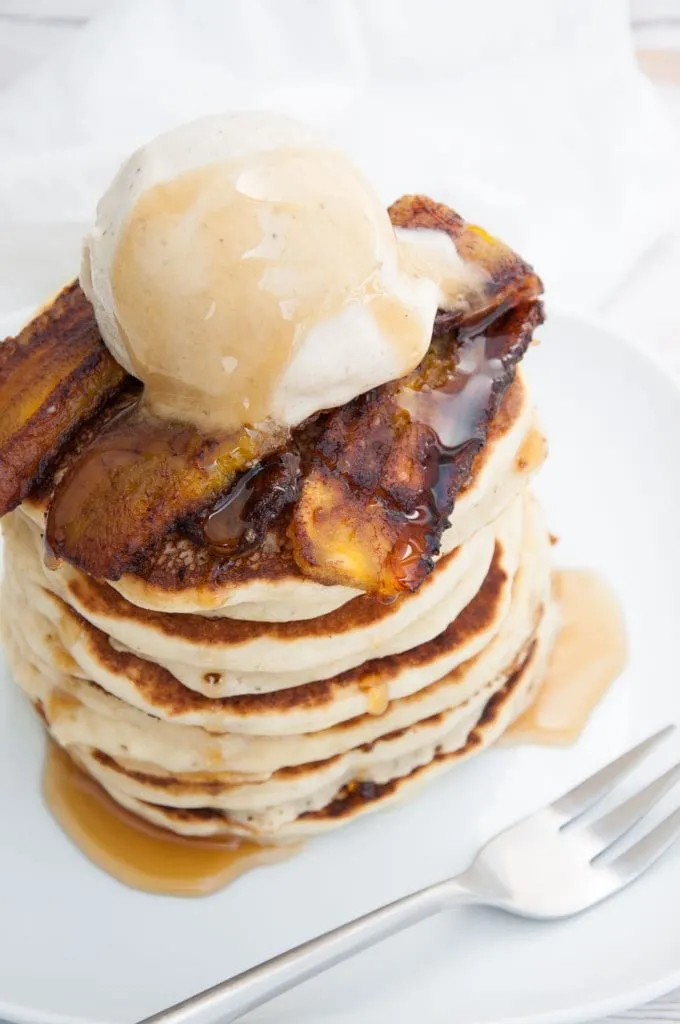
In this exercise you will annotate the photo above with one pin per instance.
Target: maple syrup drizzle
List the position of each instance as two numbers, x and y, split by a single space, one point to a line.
532 452
136 852
589 653
377 697
226 525
239 520
453 412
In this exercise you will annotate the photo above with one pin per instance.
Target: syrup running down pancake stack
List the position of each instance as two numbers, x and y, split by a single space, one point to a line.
270 653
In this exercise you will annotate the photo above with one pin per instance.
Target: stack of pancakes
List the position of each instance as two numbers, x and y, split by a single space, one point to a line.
238 695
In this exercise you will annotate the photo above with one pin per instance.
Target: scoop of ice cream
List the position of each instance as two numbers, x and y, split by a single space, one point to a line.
245 271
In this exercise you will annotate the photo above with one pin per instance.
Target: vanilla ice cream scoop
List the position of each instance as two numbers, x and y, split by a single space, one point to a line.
246 272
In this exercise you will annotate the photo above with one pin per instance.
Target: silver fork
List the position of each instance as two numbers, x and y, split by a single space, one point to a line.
549 865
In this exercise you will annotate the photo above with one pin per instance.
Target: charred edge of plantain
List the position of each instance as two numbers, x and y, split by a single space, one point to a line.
370 473
72 375
507 273
68 309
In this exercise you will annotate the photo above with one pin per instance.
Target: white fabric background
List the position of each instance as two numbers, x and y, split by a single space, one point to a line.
39 231
530 117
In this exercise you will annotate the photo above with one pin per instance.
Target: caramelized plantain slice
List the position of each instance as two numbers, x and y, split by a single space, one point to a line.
385 472
381 483
53 377
136 481
505 276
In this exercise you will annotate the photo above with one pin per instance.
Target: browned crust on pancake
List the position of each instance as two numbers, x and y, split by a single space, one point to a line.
361 794
159 688
184 814
184 782
53 377
102 600
202 783
358 795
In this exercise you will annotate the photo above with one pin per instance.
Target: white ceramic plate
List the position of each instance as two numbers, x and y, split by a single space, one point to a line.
76 946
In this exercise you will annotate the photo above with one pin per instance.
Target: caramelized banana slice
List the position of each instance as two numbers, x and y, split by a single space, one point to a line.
53 377
386 470
136 481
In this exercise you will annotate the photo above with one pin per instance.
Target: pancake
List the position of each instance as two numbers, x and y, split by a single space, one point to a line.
396 778
313 782
197 806
366 689
82 713
142 684
223 657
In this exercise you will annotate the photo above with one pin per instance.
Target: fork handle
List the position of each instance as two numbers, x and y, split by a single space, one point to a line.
230 999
